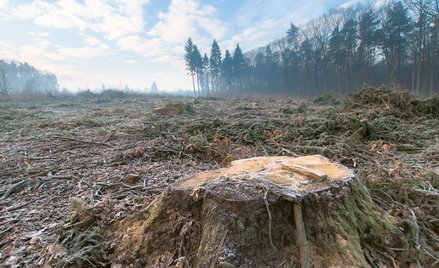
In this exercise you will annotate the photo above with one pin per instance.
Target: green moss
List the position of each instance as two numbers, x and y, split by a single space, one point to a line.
149 216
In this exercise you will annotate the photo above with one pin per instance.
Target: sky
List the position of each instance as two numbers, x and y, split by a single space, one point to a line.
90 43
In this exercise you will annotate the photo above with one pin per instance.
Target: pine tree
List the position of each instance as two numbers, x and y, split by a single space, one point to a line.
206 74
292 35
238 65
198 65
349 49
368 35
189 59
335 54
3 83
292 56
227 69
215 64
394 42
154 88
420 10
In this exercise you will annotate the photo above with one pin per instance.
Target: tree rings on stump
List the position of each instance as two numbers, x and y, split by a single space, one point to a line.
258 212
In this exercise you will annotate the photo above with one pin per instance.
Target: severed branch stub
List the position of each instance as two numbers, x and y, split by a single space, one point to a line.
302 242
275 211
307 172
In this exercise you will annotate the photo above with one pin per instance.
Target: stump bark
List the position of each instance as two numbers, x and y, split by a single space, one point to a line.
259 212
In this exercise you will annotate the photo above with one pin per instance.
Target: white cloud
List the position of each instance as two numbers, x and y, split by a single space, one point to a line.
41 35
258 29
380 3
92 41
115 31
3 3
164 42
350 3
114 19
186 18
88 52
130 62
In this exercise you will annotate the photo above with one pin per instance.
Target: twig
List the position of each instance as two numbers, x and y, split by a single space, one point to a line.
119 184
418 246
289 152
24 204
269 220
5 231
81 141
13 188
263 148
62 177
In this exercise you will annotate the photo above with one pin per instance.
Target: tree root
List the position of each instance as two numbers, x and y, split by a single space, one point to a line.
269 220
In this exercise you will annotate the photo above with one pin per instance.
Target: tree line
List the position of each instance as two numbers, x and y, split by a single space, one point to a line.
396 44
18 77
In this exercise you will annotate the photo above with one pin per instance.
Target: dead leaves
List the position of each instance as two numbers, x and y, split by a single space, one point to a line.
137 152
272 135
217 149
296 121
133 178
380 146
397 170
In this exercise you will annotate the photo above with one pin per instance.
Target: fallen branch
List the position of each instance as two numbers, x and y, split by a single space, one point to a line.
86 142
24 204
119 184
5 231
14 188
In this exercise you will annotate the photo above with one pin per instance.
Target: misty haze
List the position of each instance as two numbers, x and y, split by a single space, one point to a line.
199 133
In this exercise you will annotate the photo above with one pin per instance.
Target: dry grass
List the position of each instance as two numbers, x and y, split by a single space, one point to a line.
79 148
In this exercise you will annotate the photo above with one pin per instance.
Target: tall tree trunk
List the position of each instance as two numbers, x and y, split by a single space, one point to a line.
431 77
193 84
418 75
198 84
207 81
413 75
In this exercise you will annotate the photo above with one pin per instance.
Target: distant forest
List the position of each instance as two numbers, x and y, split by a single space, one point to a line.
20 77
396 44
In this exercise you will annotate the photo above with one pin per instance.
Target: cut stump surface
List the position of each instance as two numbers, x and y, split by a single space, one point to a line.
263 211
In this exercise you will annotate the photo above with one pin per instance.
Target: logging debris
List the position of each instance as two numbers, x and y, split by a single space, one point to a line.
390 139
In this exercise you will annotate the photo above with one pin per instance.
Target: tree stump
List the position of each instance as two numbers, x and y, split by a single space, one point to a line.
259 212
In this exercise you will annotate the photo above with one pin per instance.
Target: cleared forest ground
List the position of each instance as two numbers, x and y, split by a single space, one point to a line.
70 168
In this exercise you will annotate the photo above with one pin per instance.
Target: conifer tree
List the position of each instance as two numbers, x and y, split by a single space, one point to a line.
198 65
215 64
238 64
189 60
394 33
227 70
206 74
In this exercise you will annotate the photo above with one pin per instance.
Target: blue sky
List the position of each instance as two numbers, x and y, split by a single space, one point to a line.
88 43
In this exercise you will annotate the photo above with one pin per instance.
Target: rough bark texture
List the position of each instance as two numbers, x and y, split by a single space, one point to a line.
237 218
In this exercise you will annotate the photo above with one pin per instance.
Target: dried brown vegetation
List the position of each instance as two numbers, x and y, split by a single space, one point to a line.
116 155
